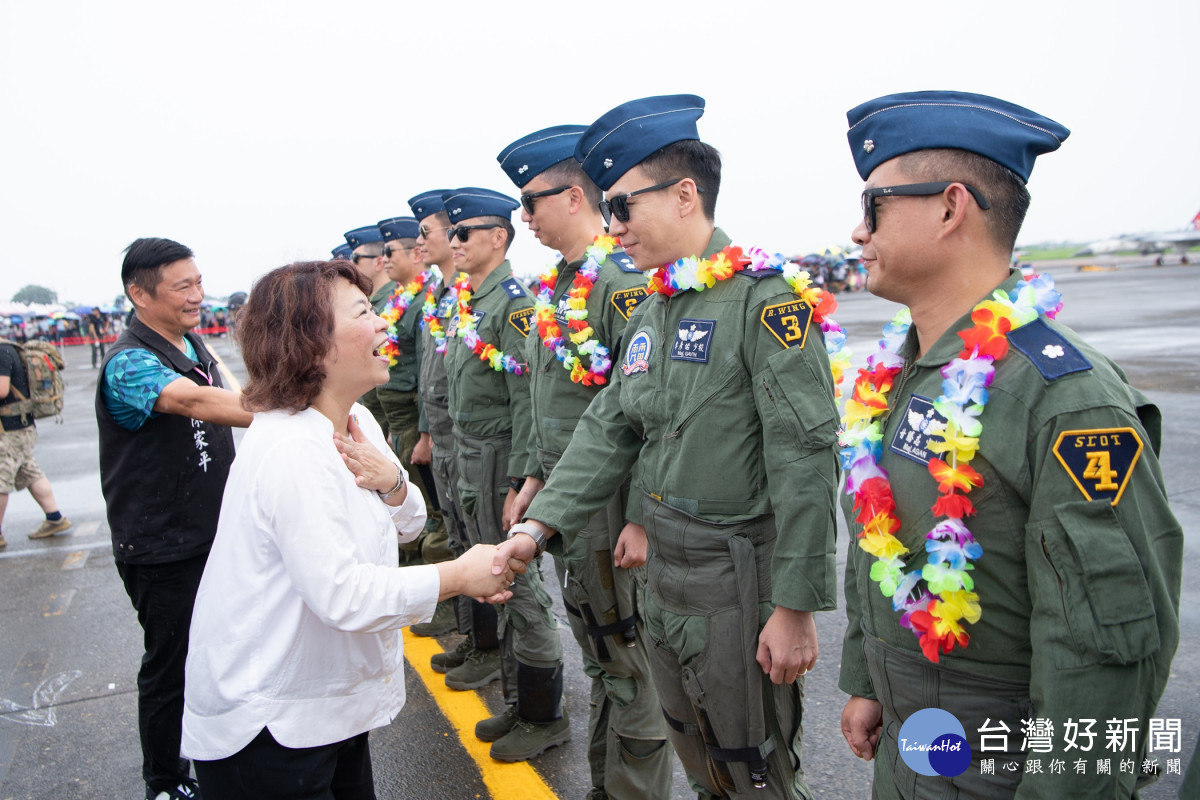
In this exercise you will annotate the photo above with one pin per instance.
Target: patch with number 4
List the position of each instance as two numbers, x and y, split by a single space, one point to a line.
788 322
1099 461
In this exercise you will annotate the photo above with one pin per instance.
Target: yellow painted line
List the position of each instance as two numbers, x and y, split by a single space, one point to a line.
504 781
230 381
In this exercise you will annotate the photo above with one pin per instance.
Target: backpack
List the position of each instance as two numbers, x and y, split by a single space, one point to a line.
43 367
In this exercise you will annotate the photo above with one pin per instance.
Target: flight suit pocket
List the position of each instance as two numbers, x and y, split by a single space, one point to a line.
802 399
1106 598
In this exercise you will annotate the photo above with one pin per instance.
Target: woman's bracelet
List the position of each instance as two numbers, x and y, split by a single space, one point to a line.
399 485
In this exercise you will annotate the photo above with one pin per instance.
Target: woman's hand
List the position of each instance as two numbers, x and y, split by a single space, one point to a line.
471 574
371 468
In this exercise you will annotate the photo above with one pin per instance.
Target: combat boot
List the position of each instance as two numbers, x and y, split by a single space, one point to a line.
444 662
444 621
541 720
493 728
530 739
480 668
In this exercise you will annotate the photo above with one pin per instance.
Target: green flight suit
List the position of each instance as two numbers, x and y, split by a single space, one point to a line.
401 405
627 749
1079 596
434 418
370 399
493 442
733 432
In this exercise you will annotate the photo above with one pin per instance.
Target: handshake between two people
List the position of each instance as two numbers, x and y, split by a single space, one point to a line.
527 539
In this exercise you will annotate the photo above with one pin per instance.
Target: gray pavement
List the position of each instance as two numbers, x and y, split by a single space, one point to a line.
70 642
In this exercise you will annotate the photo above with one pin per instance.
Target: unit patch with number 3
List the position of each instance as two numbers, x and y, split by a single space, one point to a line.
788 322
1099 461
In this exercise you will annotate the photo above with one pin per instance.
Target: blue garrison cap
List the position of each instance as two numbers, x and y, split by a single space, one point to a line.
399 228
622 138
365 235
470 202
343 251
427 203
1008 134
531 155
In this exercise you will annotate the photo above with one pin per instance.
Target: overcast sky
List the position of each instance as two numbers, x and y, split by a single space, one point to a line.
257 133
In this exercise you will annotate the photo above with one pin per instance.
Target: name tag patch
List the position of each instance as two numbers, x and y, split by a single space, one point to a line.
920 422
626 300
693 340
521 320
788 322
445 306
637 355
1099 461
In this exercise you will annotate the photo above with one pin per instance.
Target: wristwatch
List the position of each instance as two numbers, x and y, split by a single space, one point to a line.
533 532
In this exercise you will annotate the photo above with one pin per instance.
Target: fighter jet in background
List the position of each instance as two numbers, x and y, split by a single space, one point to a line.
1147 243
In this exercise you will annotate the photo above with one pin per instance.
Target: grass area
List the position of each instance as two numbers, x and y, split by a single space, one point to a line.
1054 253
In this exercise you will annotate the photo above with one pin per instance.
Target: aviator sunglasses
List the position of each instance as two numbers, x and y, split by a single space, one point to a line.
910 190
463 232
618 205
527 200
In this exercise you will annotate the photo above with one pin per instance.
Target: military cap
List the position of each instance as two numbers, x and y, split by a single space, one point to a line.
470 202
399 228
1008 134
343 251
360 236
622 138
427 203
531 155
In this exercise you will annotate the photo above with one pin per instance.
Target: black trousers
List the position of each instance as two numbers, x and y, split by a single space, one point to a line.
266 770
163 595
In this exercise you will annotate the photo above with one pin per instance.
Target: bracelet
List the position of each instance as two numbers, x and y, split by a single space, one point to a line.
399 485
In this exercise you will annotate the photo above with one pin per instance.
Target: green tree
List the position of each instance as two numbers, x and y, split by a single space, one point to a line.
35 294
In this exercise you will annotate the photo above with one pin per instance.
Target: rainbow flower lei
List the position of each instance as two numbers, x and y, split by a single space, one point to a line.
581 335
429 317
496 359
700 274
934 614
396 305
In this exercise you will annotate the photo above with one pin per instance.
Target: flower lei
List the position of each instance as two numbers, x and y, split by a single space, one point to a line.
581 335
396 305
935 614
496 359
429 317
700 274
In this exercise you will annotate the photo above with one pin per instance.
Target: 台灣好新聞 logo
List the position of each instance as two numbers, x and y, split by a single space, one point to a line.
934 742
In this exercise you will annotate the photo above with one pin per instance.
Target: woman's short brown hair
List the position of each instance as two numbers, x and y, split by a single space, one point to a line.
286 328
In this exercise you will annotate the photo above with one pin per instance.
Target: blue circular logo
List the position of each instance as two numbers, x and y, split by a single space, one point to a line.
933 742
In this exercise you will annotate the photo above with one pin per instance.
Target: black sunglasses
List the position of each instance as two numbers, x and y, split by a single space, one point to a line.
463 232
355 258
527 199
618 205
911 190
388 251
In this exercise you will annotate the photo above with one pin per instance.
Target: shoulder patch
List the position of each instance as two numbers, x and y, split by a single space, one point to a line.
788 322
1100 460
513 287
1049 351
758 274
623 262
521 320
626 300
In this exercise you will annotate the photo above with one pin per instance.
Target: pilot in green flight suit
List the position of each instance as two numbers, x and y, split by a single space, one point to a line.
489 404
583 305
1040 601
723 397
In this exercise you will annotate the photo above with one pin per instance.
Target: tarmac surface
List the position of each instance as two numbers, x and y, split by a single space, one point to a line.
70 643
